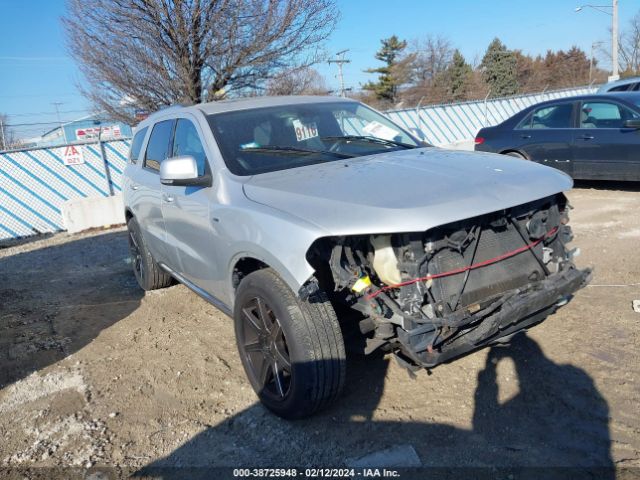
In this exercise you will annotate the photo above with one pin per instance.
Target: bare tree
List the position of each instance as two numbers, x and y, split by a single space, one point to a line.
431 56
298 81
427 58
629 47
145 54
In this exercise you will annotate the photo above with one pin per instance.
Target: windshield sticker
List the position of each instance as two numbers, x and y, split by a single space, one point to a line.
376 129
244 146
305 131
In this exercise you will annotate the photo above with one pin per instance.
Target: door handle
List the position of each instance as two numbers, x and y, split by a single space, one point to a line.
168 198
134 186
525 136
586 137
562 161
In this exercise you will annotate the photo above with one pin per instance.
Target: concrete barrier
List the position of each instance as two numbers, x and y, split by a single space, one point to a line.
467 145
84 213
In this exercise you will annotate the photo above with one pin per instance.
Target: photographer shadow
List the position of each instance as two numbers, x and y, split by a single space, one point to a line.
556 426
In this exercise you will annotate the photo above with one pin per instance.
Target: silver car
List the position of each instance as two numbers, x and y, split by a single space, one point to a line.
307 217
631 84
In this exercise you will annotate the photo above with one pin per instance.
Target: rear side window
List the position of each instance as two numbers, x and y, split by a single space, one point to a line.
186 141
621 88
158 146
136 145
555 116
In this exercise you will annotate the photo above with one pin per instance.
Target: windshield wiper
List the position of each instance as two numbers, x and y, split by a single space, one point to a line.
382 141
293 150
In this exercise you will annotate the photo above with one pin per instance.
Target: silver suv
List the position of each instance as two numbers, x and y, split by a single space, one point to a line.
283 211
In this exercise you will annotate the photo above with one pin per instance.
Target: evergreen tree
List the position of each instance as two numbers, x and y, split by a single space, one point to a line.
386 88
458 75
499 69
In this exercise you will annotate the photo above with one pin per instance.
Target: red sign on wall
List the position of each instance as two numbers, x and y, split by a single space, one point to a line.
73 155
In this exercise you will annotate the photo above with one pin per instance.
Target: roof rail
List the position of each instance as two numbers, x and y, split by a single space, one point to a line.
171 107
166 109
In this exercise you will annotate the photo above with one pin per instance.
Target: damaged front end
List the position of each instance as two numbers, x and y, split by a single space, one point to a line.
432 296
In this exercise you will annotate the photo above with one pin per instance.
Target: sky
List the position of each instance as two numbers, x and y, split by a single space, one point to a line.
36 70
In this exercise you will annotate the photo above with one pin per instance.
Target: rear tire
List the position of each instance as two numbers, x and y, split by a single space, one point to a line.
292 350
149 274
516 155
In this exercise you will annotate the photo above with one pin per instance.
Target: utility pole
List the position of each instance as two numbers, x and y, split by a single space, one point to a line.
64 134
614 40
4 142
340 60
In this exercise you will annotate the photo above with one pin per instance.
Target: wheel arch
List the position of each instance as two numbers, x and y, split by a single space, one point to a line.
128 215
514 150
245 266
247 262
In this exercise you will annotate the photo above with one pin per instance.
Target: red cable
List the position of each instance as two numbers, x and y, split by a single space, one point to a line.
467 268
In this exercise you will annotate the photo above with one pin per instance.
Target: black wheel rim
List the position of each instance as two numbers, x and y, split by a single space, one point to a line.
264 347
136 257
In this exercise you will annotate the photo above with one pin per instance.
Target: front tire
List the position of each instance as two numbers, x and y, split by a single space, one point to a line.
292 350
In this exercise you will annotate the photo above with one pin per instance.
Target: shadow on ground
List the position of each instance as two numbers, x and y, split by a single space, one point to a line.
558 419
57 299
608 185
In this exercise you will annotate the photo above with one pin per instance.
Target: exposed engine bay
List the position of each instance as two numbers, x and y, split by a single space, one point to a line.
431 296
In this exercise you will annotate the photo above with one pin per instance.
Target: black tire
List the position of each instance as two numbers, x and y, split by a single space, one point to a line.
149 274
292 350
516 155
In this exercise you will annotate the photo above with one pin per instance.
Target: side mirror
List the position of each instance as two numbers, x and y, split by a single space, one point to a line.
182 171
632 123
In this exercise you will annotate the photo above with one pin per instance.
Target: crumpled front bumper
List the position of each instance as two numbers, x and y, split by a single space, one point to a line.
518 310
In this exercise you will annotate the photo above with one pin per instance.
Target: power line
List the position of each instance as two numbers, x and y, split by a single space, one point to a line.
36 59
54 122
41 95
86 110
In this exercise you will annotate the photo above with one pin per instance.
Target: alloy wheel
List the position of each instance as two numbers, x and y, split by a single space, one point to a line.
265 350
136 257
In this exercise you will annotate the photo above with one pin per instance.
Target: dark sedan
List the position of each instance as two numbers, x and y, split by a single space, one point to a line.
591 137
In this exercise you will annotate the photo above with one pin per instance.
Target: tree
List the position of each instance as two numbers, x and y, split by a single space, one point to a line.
499 69
531 74
629 48
431 56
458 75
299 81
390 76
146 54
428 57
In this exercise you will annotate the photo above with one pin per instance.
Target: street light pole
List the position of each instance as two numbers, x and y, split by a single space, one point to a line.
614 34
614 41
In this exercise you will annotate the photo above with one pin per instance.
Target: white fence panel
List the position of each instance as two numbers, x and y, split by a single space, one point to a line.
451 123
35 183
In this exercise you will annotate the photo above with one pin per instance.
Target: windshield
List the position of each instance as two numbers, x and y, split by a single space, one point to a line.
276 138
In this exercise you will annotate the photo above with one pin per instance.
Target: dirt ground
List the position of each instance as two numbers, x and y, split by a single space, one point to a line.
93 372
